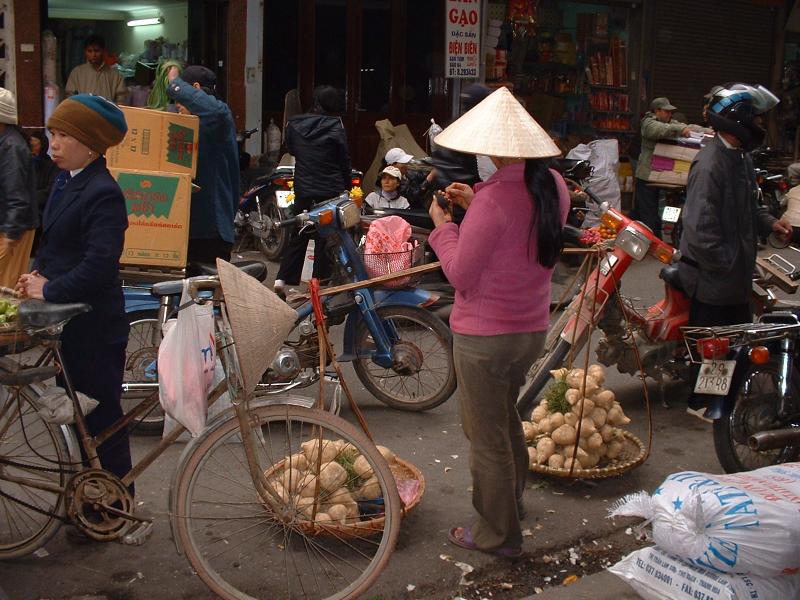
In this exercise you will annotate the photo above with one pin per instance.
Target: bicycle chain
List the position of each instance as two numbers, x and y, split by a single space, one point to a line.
11 463
34 508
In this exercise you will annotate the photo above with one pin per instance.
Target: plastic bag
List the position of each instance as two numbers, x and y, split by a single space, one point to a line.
603 155
221 405
387 248
186 360
738 523
658 575
56 407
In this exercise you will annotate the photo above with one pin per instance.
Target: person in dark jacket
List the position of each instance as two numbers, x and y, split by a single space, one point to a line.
83 232
722 218
18 214
322 170
44 172
214 205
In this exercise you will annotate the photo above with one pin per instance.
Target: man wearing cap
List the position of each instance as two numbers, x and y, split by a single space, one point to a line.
18 212
214 205
657 124
95 76
413 184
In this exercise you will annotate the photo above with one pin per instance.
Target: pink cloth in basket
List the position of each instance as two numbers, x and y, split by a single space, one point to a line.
387 238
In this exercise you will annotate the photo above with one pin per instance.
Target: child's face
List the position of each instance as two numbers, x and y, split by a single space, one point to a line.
389 183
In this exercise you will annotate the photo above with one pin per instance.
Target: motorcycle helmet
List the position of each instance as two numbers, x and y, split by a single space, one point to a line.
736 108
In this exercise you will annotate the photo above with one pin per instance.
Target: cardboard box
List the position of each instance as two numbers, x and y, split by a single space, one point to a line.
669 177
157 141
675 151
158 217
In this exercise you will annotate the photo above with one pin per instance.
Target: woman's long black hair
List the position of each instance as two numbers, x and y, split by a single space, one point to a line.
546 214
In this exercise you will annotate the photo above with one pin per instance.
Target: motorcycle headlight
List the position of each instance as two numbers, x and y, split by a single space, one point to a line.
633 242
349 214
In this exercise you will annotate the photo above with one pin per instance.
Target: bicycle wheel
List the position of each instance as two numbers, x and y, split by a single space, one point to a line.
242 548
754 409
140 368
32 450
425 375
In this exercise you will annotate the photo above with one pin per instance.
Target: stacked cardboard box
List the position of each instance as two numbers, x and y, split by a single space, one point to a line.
154 166
671 161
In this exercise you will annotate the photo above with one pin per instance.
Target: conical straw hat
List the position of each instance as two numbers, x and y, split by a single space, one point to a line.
260 321
498 126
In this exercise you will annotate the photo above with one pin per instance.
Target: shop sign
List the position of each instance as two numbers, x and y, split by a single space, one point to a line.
462 38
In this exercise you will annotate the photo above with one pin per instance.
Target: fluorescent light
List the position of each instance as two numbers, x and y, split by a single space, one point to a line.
154 21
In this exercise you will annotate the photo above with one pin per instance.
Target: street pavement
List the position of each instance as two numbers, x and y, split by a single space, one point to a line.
424 565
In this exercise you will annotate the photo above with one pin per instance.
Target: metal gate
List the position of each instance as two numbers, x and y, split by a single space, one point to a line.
698 44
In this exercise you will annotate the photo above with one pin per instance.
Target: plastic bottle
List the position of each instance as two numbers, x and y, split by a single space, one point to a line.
434 130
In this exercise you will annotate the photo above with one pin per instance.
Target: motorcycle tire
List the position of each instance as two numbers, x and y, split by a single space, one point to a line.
272 246
140 354
754 409
539 375
423 335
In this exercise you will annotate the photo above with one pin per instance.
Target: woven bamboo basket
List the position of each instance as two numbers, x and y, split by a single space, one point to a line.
13 340
366 526
633 454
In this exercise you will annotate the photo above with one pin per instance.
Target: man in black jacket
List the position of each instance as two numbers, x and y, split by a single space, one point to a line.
722 219
322 170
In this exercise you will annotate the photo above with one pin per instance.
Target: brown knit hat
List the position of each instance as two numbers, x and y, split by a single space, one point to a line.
92 120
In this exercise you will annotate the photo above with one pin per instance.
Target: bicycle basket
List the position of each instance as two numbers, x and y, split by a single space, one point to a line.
386 263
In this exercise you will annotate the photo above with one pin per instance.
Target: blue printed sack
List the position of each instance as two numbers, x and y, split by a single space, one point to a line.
738 523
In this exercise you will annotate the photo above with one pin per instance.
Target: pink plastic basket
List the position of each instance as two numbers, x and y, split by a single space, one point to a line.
385 263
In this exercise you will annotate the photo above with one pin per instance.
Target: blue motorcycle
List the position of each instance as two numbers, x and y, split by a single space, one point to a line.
401 352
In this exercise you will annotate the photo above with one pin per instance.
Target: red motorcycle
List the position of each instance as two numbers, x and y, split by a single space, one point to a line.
647 340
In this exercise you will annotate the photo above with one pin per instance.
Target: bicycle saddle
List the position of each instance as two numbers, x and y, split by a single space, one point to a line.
254 268
39 314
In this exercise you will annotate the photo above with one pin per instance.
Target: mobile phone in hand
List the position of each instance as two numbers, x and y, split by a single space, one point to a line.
441 200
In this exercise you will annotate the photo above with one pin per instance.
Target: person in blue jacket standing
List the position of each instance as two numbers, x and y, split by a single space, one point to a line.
213 207
83 231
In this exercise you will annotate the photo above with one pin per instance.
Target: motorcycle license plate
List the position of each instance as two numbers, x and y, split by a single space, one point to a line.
671 214
282 196
715 377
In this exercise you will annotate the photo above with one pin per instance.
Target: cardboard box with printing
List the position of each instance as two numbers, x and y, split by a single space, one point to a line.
157 141
158 217
671 162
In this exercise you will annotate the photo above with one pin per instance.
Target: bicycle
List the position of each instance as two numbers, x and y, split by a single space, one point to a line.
236 500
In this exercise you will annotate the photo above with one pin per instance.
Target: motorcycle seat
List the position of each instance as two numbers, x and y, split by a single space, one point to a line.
670 275
254 268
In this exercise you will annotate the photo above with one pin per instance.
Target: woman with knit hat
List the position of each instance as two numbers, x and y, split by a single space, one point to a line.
499 260
83 230
19 215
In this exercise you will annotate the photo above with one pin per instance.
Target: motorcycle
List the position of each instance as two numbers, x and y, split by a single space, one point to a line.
598 305
749 385
772 185
401 352
270 199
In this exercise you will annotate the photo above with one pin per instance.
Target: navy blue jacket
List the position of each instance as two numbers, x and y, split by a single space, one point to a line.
322 163
83 232
214 205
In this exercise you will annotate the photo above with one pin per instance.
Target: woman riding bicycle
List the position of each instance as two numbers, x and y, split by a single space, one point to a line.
83 231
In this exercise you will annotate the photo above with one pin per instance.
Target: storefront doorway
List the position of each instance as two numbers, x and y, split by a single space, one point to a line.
387 56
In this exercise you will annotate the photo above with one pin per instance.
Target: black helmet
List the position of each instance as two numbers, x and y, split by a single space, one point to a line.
735 108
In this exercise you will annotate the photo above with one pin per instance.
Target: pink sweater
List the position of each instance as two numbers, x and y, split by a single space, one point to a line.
499 288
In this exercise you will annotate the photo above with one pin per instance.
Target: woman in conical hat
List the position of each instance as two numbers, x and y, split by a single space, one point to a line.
499 261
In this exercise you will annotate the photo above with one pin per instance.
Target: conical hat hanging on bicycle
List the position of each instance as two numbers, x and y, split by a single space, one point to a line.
260 321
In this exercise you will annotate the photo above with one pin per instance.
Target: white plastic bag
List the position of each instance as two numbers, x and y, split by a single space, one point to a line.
186 360
603 155
739 523
658 575
221 405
